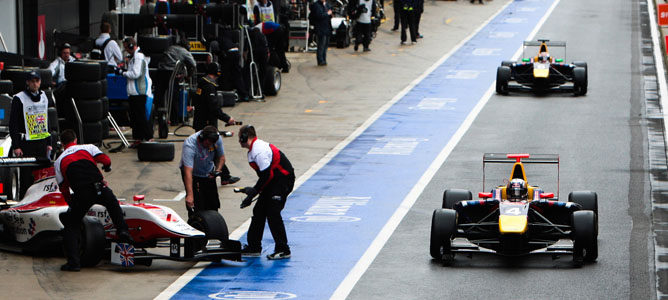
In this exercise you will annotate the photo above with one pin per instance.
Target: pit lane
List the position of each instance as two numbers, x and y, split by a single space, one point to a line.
316 109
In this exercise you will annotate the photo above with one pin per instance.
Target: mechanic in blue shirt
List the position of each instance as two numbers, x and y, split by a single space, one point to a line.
202 159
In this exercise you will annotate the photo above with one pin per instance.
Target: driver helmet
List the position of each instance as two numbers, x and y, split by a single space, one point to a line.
516 190
544 57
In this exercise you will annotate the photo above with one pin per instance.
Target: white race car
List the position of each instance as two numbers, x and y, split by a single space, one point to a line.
33 225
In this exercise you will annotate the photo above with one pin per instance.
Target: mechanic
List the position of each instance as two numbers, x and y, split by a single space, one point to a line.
57 66
408 20
202 159
208 111
361 10
320 17
231 62
174 53
76 168
260 52
139 92
517 190
29 127
276 178
106 48
277 41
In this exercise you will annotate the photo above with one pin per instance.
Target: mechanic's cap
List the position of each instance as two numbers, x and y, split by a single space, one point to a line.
34 75
213 68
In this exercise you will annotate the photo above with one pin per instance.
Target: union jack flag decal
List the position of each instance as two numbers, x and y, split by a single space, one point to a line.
127 254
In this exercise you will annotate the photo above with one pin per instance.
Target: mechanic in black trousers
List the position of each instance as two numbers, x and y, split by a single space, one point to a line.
408 12
275 183
202 159
30 131
208 110
396 6
76 168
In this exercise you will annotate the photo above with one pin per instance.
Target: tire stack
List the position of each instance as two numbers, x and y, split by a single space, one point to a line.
18 75
154 47
87 85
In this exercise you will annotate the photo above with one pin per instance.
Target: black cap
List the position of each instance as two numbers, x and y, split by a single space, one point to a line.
34 75
213 68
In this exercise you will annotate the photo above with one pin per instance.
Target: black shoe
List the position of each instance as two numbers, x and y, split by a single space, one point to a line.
403 42
357 46
366 49
279 255
395 29
70 268
229 180
125 237
252 252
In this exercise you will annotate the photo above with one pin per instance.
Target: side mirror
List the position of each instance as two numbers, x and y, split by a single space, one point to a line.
484 195
546 195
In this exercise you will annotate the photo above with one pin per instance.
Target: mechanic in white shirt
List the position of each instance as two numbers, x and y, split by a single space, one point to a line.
57 66
109 49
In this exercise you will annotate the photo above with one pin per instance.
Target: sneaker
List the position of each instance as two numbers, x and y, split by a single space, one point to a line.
403 42
70 268
229 180
279 255
248 251
395 29
413 42
366 49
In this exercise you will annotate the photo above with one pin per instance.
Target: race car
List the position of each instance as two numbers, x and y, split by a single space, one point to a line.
542 72
34 225
516 218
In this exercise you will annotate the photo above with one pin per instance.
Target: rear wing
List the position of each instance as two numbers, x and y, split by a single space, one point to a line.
533 46
524 158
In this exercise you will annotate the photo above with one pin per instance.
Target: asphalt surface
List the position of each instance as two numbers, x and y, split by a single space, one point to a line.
602 144
317 108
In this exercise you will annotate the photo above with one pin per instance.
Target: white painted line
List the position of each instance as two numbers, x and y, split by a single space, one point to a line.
177 198
663 95
367 258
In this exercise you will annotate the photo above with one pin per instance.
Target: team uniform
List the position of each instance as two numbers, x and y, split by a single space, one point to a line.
76 168
275 183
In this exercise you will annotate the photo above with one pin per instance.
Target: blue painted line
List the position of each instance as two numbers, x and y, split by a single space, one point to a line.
364 184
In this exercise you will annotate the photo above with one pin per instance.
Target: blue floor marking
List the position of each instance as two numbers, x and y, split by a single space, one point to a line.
362 186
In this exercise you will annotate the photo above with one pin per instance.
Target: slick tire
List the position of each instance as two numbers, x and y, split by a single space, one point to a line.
502 79
154 44
90 110
105 107
272 81
588 200
83 71
18 78
154 151
443 228
452 196
508 63
579 81
212 224
580 64
92 132
585 237
6 87
92 242
10 183
52 118
46 78
84 90
105 128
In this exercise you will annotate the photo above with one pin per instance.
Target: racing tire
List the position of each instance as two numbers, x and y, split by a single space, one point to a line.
90 110
155 151
18 78
81 71
154 44
452 196
10 183
272 81
579 81
163 126
580 64
585 236
212 224
92 243
6 87
46 78
92 132
52 119
105 107
588 200
507 63
502 79
84 90
443 229
105 128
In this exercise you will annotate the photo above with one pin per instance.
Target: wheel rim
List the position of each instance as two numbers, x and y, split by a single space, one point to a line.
277 81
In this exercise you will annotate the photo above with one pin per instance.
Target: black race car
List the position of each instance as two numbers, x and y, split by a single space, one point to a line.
542 73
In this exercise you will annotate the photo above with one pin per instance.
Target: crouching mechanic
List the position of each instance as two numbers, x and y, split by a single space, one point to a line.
198 170
76 168
275 182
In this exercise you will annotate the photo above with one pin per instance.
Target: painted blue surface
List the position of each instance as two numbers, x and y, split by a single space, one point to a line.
324 252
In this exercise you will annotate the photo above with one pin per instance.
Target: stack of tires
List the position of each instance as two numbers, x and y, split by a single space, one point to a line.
154 47
87 85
